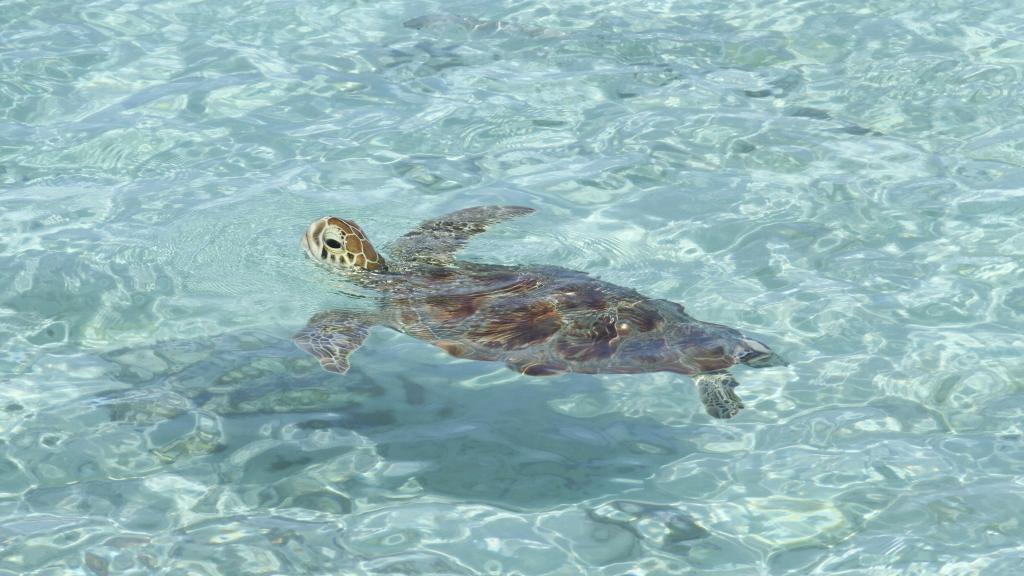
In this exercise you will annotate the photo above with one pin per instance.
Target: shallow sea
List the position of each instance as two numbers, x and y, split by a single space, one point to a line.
844 181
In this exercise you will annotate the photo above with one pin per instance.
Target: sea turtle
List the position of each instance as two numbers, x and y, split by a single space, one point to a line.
538 320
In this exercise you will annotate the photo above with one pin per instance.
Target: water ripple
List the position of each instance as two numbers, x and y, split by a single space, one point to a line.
842 183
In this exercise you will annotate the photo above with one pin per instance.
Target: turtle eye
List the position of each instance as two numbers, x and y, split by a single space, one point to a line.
332 243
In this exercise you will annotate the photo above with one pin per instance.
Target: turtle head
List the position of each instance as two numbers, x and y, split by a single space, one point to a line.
341 244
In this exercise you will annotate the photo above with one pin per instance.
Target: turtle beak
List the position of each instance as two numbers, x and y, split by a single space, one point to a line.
309 238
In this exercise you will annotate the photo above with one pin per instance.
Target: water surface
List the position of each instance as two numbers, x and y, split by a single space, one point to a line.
844 182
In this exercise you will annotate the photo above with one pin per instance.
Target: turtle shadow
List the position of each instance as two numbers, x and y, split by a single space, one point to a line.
461 429
508 445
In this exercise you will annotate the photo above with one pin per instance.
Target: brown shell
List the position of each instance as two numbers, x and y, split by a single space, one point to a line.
519 327
510 311
590 340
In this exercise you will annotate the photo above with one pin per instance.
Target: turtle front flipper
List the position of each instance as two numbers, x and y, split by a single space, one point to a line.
717 392
436 241
333 335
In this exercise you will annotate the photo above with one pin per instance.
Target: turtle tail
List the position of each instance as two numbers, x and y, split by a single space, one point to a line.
717 392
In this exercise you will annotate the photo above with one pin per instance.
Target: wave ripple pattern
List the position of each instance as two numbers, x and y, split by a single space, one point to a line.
842 180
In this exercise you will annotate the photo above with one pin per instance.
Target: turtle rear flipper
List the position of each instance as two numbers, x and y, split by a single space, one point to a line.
333 335
436 241
718 395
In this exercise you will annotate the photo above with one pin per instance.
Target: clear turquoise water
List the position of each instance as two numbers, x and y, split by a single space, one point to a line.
844 181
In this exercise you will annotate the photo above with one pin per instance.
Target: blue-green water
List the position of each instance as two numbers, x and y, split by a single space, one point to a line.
844 181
